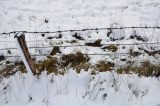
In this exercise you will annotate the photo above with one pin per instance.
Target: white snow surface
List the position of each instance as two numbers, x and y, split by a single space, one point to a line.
79 89
74 14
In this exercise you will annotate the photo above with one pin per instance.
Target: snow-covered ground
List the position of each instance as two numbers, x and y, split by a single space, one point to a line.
72 14
80 89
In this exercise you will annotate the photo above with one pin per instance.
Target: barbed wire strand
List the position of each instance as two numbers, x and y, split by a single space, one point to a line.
151 43
87 29
66 54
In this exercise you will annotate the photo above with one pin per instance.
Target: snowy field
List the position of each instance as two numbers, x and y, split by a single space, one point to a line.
74 14
103 89
80 90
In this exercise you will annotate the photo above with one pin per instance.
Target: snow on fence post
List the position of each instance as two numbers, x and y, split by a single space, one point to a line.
22 47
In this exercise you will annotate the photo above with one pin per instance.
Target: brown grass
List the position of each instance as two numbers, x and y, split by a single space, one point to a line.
7 71
11 69
103 66
97 43
145 69
78 61
84 66
74 59
50 65
55 50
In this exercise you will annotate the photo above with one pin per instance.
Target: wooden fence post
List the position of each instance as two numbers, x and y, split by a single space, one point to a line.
22 42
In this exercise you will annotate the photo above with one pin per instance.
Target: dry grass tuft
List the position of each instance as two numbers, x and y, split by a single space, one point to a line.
55 50
7 71
97 43
84 66
103 66
50 65
145 69
74 59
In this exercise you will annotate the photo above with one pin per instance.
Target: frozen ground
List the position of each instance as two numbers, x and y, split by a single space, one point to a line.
83 89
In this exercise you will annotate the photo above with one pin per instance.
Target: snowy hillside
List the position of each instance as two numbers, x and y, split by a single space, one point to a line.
81 68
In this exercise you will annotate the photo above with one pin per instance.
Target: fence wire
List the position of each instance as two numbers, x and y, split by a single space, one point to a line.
77 30
78 45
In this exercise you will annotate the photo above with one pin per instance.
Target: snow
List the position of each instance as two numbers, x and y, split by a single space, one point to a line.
108 88
82 89
69 14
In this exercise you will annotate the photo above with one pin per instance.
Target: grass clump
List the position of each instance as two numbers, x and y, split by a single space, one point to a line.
84 66
55 50
97 43
145 69
7 71
126 69
103 66
74 59
50 65
12 68
20 66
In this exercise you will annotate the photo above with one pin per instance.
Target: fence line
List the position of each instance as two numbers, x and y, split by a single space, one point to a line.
81 45
77 30
41 55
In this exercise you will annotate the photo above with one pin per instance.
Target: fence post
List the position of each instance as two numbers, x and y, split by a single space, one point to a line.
23 46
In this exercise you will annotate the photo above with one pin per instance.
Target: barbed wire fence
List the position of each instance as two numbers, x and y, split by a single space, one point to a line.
11 34
36 46
77 30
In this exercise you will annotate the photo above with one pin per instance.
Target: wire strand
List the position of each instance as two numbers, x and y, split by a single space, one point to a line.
87 29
